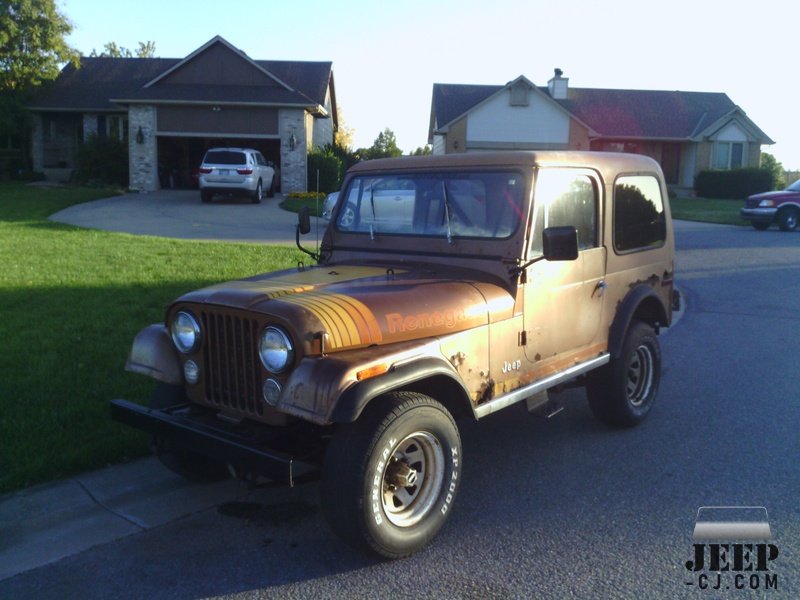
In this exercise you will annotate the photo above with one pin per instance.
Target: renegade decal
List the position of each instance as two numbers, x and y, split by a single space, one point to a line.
402 323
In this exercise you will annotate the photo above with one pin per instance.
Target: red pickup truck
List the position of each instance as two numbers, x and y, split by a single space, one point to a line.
781 207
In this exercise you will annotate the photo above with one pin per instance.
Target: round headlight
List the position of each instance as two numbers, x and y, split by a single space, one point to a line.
185 332
275 350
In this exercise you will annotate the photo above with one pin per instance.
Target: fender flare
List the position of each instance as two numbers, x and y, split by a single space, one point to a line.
627 309
357 396
153 354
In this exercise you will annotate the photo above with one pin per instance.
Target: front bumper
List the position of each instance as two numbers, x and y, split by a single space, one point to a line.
759 215
250 452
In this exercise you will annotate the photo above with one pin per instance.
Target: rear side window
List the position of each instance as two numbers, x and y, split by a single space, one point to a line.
225 157
639 221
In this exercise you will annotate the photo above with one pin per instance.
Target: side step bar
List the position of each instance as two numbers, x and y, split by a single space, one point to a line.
526 392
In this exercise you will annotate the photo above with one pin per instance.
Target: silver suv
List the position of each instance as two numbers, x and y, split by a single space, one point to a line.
236 171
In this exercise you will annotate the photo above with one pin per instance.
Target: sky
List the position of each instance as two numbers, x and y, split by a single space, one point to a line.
387 55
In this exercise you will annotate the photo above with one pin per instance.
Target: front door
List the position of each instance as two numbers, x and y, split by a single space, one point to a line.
564 300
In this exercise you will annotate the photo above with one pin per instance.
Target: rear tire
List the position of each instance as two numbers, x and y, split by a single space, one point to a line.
257 194
787 219
389 479
622 392
205 196
189 465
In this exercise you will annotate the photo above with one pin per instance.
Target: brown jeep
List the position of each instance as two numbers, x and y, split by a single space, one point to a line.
445 287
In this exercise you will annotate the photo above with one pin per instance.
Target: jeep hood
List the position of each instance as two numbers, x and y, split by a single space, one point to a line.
356 306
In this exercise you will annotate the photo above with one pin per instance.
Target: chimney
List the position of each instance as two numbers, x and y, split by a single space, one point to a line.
558 85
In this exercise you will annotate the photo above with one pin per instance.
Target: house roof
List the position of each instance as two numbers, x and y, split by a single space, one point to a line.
627 114
99 81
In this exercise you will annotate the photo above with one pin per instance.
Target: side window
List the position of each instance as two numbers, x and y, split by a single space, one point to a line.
260 159
639 220
565 197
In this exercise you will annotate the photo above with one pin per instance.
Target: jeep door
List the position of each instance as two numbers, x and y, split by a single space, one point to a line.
564 300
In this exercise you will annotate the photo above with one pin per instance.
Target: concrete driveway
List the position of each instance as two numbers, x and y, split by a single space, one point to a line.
180 214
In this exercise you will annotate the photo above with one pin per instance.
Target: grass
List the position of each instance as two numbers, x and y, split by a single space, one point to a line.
71 301
708 210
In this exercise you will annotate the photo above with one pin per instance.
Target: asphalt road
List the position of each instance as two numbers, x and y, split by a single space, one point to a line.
564 508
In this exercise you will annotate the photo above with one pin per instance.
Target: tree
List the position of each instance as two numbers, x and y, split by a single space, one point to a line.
145 50
32 50
344 134
384 146
771 164
32 44
425 150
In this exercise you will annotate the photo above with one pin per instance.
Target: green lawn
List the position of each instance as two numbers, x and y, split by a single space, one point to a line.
71 301
707 210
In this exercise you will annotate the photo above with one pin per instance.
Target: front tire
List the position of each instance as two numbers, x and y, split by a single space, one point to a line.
189 465
761 225
390 478
787 219
271 190
622 392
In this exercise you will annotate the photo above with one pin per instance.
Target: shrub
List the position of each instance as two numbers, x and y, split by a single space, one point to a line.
735 184
306 195
329 167
102 160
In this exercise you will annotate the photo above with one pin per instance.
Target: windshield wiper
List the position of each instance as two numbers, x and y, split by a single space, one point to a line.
447 212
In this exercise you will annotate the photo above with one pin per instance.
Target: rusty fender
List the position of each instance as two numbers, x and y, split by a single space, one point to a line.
335 389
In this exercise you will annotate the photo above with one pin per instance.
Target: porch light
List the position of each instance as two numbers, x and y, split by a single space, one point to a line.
140 136
292 142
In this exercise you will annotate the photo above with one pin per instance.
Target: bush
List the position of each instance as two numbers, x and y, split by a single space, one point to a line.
735 184
102 161
330 171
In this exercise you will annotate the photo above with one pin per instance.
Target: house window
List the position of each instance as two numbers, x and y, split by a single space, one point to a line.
728 155
118 127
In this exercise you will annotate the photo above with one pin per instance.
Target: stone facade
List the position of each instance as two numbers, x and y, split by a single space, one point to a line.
142 158
293 162
89 125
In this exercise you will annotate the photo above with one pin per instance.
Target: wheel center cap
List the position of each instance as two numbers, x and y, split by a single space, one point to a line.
401 475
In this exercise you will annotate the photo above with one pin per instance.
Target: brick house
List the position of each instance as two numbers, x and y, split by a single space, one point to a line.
171 110
686 132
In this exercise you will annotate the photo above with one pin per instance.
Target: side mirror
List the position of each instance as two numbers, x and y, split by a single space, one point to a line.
303 221
560 243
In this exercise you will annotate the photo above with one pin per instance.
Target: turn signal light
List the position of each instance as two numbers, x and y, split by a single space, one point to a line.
372 372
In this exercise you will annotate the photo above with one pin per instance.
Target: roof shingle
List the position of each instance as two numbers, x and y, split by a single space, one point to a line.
611 113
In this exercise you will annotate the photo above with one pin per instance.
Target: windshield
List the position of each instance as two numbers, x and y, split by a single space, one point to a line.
449 205
795 187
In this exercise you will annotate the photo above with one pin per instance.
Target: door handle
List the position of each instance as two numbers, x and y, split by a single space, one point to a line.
601 285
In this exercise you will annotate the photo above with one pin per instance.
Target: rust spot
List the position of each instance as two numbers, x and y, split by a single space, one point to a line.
538 357
486 391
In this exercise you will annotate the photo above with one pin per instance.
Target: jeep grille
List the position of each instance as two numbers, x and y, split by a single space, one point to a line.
230 353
